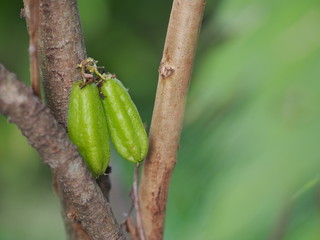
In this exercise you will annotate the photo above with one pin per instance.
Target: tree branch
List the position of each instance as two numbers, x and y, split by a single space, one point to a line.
174 74
35 121
136 201
33 6
61 47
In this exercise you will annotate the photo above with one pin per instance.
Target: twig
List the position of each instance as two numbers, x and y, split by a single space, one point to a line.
35 121
130 228
136 231
174 74
33 6
135 199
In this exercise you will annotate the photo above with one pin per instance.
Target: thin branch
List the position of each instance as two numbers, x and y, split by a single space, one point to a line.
74 229
130 228
174 74
33 5
135 199
135 230
50 139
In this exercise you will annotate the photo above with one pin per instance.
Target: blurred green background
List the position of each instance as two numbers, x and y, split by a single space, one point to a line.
249 158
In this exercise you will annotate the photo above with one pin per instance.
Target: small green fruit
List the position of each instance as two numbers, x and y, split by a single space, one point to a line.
124 123
87 127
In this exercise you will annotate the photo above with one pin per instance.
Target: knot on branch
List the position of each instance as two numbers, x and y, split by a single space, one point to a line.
165 70
73 216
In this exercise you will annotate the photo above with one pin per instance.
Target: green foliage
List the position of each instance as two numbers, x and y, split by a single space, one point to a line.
249 150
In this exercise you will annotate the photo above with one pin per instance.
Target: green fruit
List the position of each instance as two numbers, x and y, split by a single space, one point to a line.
87 127
126 129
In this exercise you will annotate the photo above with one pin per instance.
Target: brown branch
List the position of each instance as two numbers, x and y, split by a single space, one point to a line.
35 121
61 47
174 74
58 100
134 229
136 202
131 228
139 231
33 5
73 227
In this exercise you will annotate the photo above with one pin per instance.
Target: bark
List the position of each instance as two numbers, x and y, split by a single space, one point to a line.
174 74
61 48
50 139
33 6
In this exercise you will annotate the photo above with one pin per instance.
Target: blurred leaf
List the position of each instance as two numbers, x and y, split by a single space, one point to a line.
253 110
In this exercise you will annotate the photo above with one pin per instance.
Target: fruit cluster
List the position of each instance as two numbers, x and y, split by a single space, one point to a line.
100 106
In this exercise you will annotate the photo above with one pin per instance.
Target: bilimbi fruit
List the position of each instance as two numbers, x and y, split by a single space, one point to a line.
126 129
100 105
87 126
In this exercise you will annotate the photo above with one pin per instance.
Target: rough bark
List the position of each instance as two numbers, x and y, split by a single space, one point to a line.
50 139
33 6
174 74
61 48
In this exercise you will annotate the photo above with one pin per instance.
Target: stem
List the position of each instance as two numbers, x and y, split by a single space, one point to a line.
174 74
33 6
135 198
